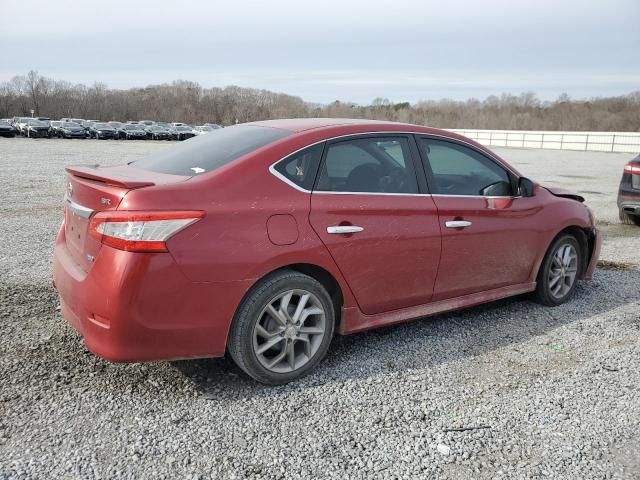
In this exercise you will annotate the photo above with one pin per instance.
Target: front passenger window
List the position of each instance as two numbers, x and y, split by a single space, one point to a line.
459 170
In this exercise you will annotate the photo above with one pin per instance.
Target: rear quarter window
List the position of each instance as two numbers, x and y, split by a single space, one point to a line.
205 153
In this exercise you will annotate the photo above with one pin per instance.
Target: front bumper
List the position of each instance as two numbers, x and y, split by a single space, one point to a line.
132 307
595 242
38 133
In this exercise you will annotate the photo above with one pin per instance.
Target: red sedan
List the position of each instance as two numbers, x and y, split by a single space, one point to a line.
265 239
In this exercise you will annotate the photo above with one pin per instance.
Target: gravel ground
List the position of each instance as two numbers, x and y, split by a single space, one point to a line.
543 392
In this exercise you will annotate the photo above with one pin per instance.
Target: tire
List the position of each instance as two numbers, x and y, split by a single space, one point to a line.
557 280
250 350
628 219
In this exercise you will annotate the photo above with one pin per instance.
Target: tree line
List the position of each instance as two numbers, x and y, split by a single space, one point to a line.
189 102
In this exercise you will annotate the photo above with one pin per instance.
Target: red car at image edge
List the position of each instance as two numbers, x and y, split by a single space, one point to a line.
265 239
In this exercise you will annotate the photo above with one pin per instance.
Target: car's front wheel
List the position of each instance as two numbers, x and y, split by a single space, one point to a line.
559 271
283 328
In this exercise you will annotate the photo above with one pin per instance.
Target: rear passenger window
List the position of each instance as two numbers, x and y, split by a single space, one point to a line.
372 165
301 167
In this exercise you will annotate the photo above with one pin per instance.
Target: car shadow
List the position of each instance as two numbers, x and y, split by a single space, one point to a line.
428 342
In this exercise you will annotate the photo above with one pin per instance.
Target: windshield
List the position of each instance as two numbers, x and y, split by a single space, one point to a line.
70 125
183 129
37 123
103 125
132 127
205 153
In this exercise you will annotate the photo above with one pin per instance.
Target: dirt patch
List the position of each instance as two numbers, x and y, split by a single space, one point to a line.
607 265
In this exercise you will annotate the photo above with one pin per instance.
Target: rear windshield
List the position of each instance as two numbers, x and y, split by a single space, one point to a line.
205 153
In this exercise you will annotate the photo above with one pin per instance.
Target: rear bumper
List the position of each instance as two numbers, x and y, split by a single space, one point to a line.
630 202
132 307
595 254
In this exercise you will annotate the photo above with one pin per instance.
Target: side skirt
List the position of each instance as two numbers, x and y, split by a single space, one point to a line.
355 321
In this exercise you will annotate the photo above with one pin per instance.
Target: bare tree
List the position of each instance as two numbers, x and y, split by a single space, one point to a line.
188 101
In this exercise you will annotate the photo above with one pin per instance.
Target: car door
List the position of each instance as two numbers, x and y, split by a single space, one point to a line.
380 227
489 234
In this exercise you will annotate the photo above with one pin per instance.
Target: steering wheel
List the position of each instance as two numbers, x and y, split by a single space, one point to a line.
394 181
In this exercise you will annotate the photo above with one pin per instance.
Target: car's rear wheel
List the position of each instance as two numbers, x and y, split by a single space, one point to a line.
628 219
559 271
283 328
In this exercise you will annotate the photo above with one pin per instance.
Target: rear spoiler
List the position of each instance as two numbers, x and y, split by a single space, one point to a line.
120 180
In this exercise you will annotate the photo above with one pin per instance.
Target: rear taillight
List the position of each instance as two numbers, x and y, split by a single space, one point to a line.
140 231
632 168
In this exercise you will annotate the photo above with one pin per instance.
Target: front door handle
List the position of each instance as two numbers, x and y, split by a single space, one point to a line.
342 229
457 224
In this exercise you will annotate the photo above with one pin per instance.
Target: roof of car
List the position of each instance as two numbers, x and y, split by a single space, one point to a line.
301 124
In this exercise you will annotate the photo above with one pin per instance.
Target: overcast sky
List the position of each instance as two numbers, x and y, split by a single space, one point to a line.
404 50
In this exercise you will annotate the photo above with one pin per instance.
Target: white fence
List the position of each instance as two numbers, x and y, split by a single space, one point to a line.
624 142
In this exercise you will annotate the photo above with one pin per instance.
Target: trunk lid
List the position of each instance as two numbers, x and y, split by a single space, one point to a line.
90 190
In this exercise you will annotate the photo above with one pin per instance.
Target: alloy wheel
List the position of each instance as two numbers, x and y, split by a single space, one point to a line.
289 331
563 270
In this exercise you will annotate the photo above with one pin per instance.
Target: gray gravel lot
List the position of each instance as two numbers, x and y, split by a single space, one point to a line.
544 392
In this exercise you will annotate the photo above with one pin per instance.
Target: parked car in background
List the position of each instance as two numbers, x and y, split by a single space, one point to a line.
164 125
147 123
53 126
629 193
79 121
115 124
368 224
101 131
131 131
201 130
36 129
87 125
71 130
6 129
156 132
182 132
21 125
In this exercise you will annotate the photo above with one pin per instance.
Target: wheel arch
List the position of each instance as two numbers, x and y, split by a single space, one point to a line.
586 239
318 273
326 279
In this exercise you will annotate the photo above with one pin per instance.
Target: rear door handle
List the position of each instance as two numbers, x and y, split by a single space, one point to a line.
457 224
342 229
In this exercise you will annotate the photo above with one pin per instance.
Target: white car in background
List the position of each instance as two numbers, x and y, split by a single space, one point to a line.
21 125
202 129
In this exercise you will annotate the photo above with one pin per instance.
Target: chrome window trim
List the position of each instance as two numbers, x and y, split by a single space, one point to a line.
78 209
373 193
281 177
476 196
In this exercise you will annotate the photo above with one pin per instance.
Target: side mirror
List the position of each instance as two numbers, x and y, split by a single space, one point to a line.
498 189
525 187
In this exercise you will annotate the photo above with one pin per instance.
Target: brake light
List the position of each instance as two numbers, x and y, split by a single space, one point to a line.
136 231
632 168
